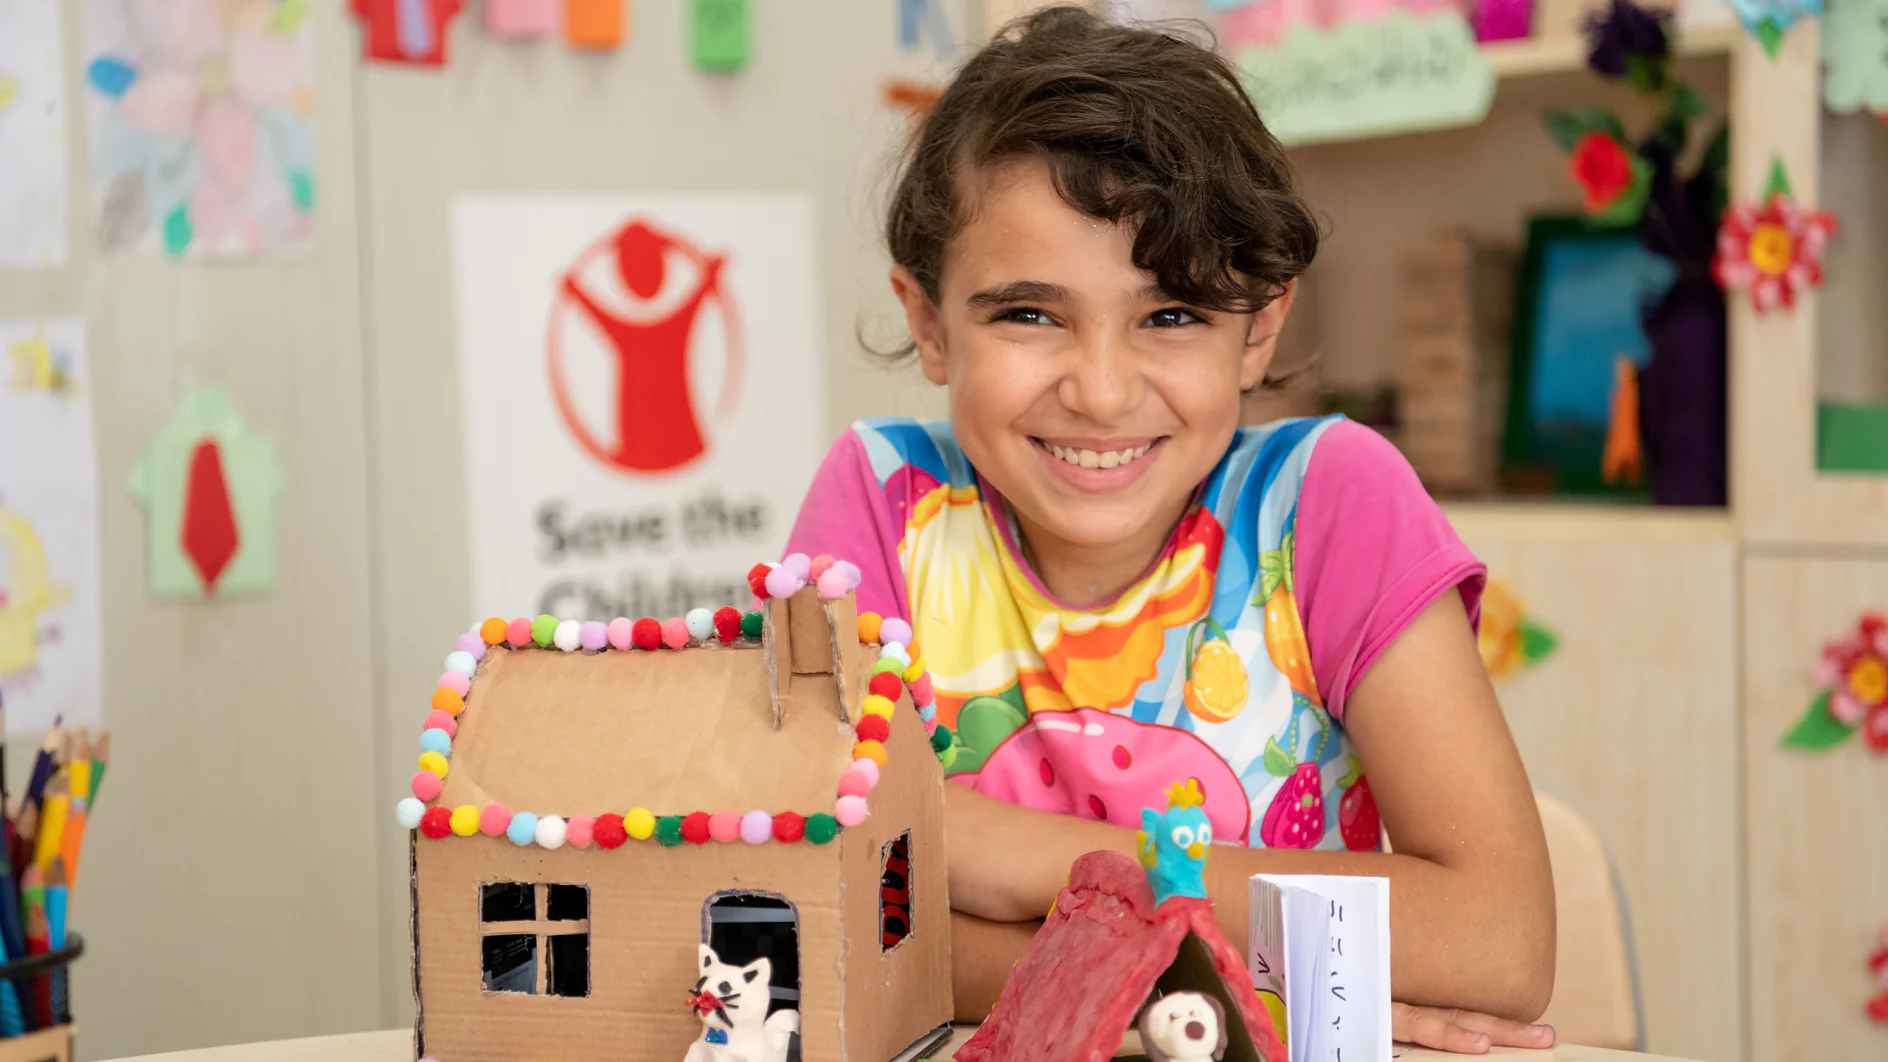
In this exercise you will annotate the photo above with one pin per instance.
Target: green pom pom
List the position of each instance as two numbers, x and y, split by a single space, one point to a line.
541 630
669 830
821 828
889 664
948 758
940 739
751 624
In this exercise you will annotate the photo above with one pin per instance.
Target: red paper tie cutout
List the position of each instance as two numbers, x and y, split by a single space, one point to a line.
209 534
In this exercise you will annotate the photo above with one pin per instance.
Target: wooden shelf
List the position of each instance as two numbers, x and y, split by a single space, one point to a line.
1572 519
1533 56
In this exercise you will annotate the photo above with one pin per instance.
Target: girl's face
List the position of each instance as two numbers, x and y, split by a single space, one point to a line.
1093 401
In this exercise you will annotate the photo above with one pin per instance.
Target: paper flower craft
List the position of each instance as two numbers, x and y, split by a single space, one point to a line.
1853 675
1509 639
1769 20
1878 967
1775 249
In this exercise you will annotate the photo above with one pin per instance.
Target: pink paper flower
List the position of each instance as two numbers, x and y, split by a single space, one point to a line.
1773 251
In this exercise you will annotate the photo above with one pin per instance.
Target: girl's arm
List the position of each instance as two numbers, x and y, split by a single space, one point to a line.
1472 900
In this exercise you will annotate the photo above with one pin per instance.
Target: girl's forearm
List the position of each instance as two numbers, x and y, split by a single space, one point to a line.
982 955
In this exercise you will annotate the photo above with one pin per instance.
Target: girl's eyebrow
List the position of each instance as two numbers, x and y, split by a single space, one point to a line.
1019 291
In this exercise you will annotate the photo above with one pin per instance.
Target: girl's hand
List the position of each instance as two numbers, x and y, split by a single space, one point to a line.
1463 1032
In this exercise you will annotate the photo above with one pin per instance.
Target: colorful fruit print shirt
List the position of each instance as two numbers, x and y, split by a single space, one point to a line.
1310 547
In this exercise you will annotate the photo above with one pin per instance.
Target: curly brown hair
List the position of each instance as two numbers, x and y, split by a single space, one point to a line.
1141 124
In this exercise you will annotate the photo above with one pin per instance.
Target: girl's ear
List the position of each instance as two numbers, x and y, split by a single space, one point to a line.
927 326
1262 337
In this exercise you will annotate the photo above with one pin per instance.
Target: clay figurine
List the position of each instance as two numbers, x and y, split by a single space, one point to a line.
1173 845
1184 1027
732 1002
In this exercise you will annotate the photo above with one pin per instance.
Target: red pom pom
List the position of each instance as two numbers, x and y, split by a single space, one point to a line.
727 623
757 579
647 634
437 822
886 685
608 831
789 827
695 827
873 728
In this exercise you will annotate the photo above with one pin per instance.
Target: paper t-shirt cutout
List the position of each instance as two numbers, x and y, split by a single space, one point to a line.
1855 56
521 18
405 31
719 31
209 485
595 23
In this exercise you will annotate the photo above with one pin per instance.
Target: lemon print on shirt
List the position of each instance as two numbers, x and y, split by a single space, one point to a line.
25 592
1216 684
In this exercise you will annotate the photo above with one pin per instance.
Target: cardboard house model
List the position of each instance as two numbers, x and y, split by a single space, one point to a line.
1104 954
595 802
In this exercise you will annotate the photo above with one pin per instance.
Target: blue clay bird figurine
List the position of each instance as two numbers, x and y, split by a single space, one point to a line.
1172 844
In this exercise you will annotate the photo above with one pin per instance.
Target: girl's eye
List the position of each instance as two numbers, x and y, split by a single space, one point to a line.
1183 836
1028 315
1205 835
1174 317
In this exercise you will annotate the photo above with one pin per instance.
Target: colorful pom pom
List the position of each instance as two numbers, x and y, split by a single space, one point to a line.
873 728
426 785
543 629
850 810
436 740
492 631
608 832
518 633
853 576
593 637
695 827
940 739
494 819
727 620
465 820
434 762
621 633
752 623
436 823
757 579
461 661
895 651
870 750
473 646
523 829
757 827
873 704
551 832
799 564
448 700
581 830
930 727
568 636
927 714
646 633
818 566
456 682
869 624
408 813
675 633
886 685
916 669
947 758
854 783
789 827
832 586
640 823
724 825
920 687
701 624
669 831
894 631
441 720
866 767
783 582
893 666
821 828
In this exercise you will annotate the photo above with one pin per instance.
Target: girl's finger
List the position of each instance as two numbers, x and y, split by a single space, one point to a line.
1502 1032
1432 1028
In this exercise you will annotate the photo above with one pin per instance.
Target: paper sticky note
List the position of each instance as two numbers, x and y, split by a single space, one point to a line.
719 32
595 23
1855 56
521 18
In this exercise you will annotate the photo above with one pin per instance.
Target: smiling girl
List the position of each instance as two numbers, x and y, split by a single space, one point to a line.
1116 587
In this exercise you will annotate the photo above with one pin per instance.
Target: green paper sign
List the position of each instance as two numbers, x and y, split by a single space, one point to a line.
1855 56
1403 74
720 31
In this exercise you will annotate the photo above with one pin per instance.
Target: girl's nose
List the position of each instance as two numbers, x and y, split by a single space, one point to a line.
1103 383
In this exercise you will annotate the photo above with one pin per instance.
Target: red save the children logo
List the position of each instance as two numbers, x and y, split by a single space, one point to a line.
641 322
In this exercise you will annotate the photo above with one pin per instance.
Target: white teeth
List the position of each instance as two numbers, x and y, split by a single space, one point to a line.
1092 458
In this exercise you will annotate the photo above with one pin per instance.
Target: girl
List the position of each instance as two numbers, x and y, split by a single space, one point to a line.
1116 587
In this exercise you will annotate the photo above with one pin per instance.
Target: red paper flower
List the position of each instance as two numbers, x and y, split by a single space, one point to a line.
1602 168
1773 250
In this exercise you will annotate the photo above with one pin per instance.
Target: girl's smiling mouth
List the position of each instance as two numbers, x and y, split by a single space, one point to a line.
1098 465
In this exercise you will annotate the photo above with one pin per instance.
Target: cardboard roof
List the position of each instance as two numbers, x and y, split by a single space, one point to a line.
1099 956
673 731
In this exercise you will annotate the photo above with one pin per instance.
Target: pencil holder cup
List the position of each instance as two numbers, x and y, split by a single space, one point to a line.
31 989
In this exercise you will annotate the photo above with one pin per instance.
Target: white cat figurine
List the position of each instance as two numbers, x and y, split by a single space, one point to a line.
732 1002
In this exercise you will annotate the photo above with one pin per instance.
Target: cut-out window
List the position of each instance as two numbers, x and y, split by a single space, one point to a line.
744 926
894 895
523 952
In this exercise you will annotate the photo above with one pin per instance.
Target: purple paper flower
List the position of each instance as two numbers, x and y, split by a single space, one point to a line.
1623 33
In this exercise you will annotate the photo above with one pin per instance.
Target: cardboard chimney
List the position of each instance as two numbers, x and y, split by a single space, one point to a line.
570 941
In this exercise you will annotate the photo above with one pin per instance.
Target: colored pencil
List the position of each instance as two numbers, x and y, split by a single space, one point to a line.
57 899
101 755
52 822
43 763
33 899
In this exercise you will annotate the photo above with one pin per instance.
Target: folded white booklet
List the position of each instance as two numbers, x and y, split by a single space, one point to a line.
1321 943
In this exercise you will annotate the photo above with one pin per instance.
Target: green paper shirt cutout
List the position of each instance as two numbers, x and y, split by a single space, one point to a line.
1855 56
719 30
1398 75
251 475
